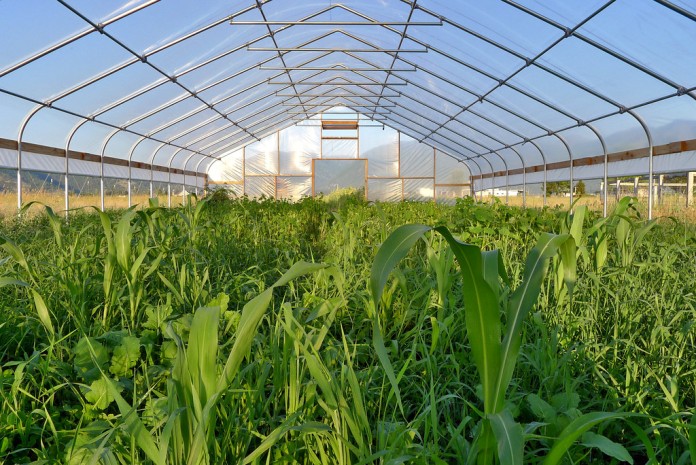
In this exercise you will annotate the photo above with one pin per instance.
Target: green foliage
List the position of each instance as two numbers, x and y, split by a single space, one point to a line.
580 188
177 336
557 187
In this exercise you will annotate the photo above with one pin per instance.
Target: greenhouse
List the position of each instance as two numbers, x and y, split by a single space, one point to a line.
168 97
391 231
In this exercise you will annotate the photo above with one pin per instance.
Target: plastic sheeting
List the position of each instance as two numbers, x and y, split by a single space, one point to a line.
294 187
494 73
261 158
384 190
420 190
88 168
380 146
260 186
449 170
8 158
339 148
46 163
417 160
139 173
330 175
449 194
298 146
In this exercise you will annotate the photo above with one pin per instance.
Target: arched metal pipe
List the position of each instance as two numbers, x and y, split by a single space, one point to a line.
507 178
151 161
22 127
198 165
473 188
524 178
130 170
101 167
185 164
67 163
492 171
169 182
648 134
606 168
570 159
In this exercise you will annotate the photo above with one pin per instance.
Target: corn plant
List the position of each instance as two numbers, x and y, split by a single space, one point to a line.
485 278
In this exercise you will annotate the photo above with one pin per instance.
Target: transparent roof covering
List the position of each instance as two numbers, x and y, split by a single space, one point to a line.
498 84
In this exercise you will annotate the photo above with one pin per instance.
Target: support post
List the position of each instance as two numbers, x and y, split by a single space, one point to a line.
101 167
660 189
651 181
690 188
605 175
22 127
636 182
151 161
618 189
67 164
570 159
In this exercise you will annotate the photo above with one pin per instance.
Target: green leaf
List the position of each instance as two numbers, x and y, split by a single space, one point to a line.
481 305
16 253
269 440
520 304
510 438
577 223
12 282
44 314
122 240
90 356
383 357
134 426
202 352
601 253
542 409
692 438
394 248
606 445
568 251
99 394
252 313
574 430
125 356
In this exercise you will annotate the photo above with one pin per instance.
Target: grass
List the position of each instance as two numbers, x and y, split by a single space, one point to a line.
205 334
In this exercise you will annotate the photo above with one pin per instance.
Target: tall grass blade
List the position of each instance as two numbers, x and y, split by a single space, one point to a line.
692 437
134 426
42 311
122 239
202 350
574 430
12 282
252 313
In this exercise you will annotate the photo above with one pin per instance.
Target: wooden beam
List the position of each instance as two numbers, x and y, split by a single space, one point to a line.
74 155
658 150
339 124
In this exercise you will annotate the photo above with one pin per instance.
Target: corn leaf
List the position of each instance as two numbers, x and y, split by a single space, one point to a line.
510 438
481 304
520 304
392 250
